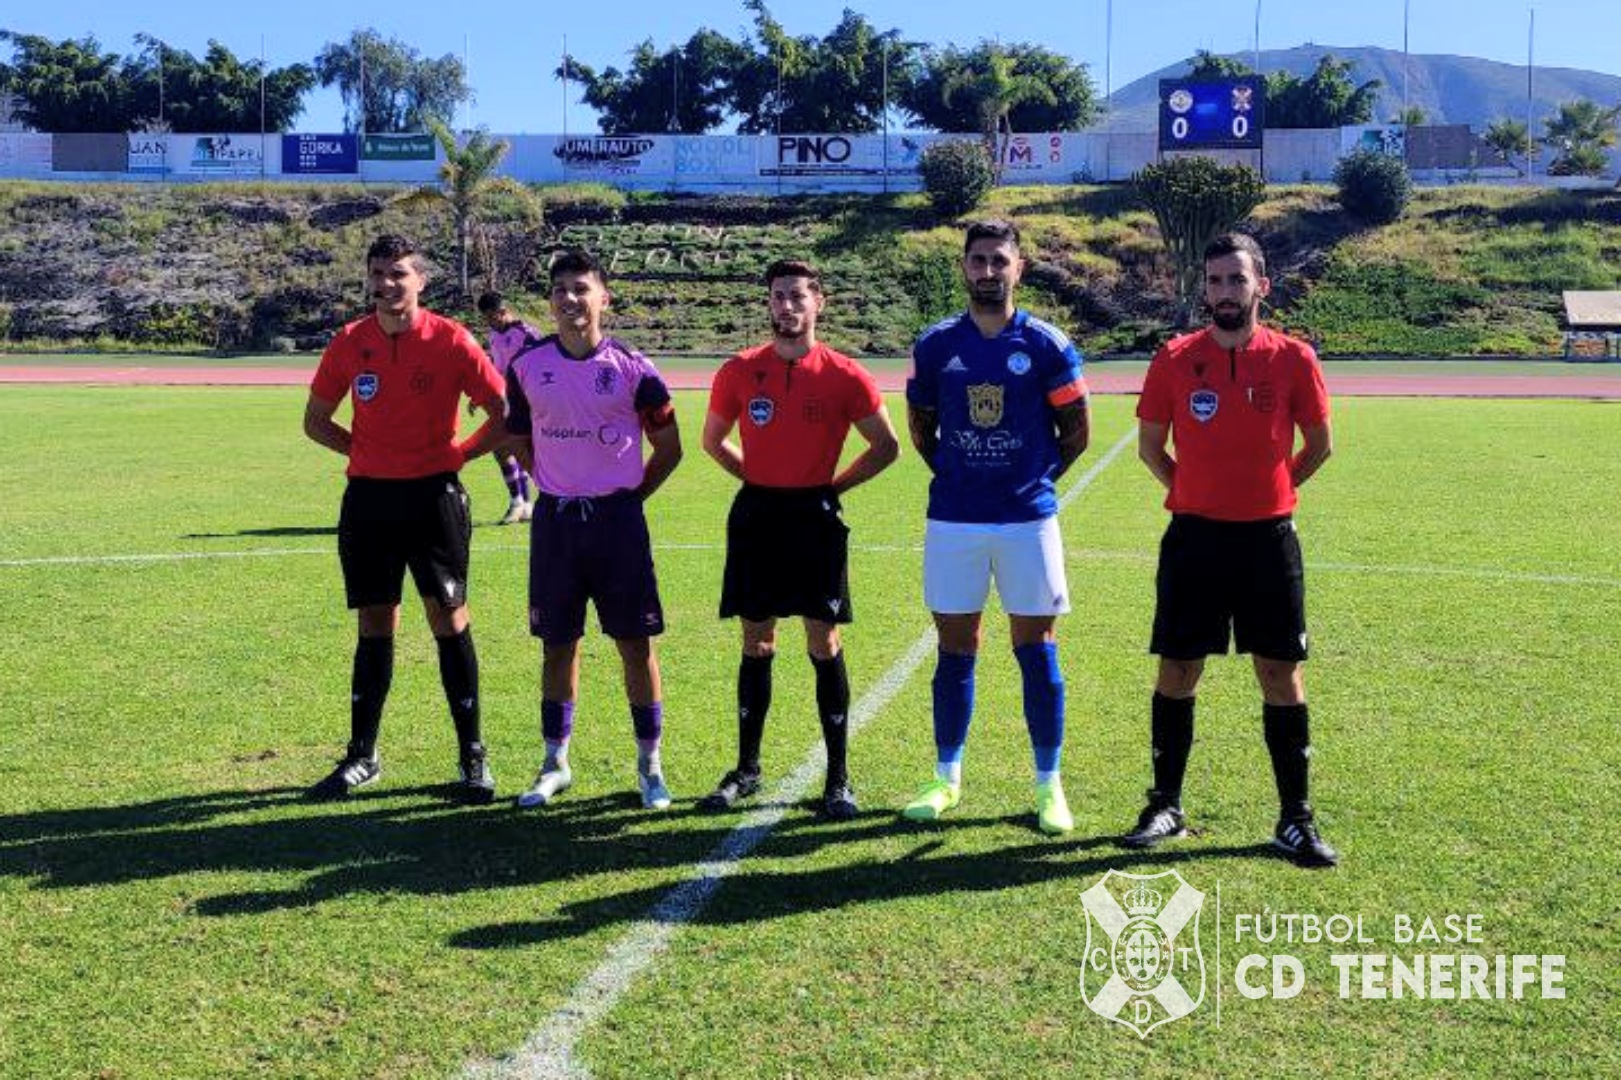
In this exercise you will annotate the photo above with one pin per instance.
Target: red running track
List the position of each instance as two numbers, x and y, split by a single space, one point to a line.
1590 387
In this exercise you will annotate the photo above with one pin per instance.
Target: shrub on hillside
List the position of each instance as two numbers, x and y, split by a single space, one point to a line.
1374 187
956 176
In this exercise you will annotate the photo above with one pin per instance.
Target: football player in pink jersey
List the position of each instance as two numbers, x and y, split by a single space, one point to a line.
583 401
509 335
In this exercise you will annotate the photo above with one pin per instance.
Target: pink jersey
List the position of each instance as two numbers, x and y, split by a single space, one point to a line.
584 417
505 344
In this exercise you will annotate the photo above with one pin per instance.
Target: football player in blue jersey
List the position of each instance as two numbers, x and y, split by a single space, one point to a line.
998 409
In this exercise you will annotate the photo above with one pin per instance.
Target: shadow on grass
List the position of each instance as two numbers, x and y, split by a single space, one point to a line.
400 840
927 869
416 841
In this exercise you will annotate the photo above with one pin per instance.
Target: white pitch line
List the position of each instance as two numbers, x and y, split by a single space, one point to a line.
162 556
548 1053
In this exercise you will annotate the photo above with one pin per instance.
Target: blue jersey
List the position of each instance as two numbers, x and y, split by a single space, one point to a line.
998 453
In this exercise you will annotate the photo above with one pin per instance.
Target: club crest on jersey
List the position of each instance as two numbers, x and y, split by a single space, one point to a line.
365 386
761 410
1018 363
606 376
985 404
1203 404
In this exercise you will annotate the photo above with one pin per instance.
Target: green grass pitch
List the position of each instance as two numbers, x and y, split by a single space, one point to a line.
176 669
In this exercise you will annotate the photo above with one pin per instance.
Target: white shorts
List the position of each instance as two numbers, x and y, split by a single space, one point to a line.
1026 559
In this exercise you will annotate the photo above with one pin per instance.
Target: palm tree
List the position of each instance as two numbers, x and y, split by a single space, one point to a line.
467 181
996 90
1508 138
1581 132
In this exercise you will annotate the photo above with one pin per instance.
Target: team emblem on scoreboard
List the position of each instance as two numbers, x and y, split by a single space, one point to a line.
761 410
1180 101
985 404
1203 405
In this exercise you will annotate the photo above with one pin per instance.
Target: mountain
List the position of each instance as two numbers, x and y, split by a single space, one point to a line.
1450 89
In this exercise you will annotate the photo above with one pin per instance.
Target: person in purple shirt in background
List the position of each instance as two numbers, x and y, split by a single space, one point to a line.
582 402
509 335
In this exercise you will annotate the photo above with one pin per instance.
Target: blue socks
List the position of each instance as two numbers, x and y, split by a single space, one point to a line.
1043 708
953 707
1043 702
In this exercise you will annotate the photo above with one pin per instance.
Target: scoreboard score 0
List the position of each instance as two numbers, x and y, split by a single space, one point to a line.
1224 114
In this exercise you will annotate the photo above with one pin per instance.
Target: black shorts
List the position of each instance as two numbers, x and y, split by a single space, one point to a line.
594 549
787 553
388 525
1245 578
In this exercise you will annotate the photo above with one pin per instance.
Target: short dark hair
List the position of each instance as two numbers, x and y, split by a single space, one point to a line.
1231 243
393 247
576 261
793 268
992 229
490 302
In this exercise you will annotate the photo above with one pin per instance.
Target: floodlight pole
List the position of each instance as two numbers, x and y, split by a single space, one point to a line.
1530 68
1108 57
1257 64
1405 57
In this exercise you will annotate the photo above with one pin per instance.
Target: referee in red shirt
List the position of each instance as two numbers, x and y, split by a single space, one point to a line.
1230 398
405 370
787 547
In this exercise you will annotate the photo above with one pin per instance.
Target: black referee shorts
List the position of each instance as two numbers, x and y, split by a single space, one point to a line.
787 553
387 525
1238 579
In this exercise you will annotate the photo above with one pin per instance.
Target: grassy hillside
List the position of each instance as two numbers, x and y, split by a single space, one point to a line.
1468 271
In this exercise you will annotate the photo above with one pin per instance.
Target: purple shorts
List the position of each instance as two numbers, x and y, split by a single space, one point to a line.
592 548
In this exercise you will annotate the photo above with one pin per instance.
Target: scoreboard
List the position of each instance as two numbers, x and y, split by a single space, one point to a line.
1223 114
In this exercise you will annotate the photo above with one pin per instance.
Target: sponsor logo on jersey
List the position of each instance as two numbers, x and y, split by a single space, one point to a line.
1203 405
985 404
365 386
1018 363
761 410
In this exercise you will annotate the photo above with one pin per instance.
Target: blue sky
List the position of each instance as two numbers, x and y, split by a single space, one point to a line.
511 48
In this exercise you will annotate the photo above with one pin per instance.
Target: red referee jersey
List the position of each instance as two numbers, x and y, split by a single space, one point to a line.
1233 414
793 416
406 390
